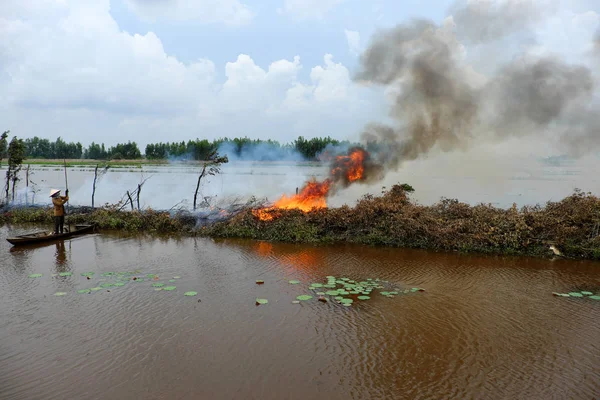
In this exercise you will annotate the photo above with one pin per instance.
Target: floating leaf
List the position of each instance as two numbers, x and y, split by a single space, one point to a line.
317 285
65 274
158 284
347 304
60 293
347 301
594 297
172 280
157 289
339 298
354 292
320 294
331 286
84 291
294 282
106 285
95 289
119 284
108 274
90 274
575 294
345 279
304 297
343 292
587 293
169 288
330 277
363 297
384 293
262 301
332 292
35 275
190 293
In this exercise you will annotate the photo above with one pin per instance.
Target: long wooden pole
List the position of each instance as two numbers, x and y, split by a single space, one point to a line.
66 188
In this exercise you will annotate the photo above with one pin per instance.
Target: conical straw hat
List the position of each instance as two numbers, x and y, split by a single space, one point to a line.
53 192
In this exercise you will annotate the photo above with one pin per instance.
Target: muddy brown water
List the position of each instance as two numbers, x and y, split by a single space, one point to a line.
485 328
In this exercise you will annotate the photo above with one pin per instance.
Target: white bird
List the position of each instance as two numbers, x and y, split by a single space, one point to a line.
555 251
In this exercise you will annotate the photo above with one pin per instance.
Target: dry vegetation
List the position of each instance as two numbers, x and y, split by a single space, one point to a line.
391 219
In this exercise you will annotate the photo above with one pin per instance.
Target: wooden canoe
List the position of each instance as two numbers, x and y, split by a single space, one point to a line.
48 236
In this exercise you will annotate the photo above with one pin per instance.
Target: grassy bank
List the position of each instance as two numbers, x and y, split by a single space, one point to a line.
572 225
86 162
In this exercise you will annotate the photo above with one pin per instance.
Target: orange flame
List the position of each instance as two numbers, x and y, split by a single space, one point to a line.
347 168
311 196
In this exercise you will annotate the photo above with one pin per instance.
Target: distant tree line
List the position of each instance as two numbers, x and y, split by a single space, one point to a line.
199 149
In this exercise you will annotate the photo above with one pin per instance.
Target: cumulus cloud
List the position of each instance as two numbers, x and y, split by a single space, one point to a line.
308 9
353 39
230 12
77 74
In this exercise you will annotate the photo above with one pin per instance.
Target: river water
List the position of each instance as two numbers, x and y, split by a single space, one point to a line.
484 328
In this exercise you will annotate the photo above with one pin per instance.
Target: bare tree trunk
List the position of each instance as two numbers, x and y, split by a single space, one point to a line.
27 185
8 174
130 200
198 185
139 189
14 183
94 184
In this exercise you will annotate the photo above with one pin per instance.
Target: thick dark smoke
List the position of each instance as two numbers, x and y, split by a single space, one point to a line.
440 101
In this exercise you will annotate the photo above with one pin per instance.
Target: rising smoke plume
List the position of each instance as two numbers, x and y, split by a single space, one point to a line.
441 101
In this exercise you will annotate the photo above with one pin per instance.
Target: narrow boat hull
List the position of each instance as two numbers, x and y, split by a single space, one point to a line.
39 237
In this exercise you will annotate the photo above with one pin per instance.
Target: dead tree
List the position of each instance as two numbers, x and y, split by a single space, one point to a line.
96 176
212 166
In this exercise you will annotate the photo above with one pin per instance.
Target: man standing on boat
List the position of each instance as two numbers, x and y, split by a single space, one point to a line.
59 209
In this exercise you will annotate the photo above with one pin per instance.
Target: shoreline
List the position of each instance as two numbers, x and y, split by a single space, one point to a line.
572 225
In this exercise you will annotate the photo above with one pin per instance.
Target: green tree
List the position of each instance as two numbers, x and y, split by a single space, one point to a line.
3 145
16 155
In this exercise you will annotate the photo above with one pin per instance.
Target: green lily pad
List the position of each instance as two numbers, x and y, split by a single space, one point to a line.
106 285
84 291
330 286
354 292
262 301
95 289
158 289
345 279
587 293
119 284
594 297
169 288
88 274
190 293
294 282
150 276
363 297
320 294
347 301
304 297
35 275
317 285
575 294
384 293
172 280
394 293
60 293
158 284
339 298
343 292
347 304
108 274
330 277
332 292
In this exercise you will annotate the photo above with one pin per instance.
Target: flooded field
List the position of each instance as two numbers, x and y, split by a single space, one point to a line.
484 328
487 180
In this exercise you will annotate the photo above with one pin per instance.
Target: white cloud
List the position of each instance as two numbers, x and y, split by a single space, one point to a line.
230 12
76 74
353 39
308 9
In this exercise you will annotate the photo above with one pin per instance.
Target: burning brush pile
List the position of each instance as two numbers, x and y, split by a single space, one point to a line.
354 167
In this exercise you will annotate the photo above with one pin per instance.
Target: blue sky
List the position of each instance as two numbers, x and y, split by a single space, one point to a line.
166 70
